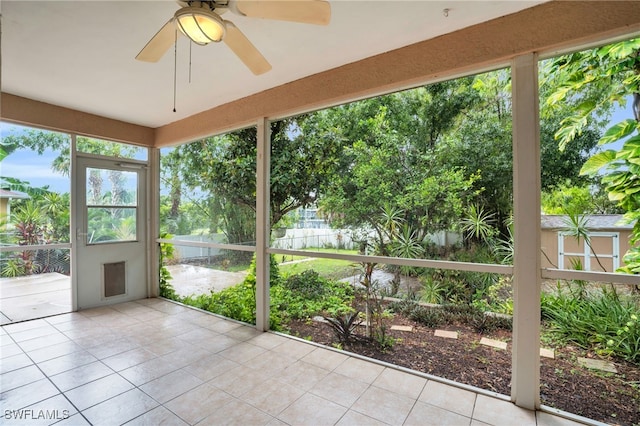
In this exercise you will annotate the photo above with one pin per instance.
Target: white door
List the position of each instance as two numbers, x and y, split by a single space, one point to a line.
111 214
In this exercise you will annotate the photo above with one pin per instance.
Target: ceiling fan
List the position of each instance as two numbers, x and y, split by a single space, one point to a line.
202 23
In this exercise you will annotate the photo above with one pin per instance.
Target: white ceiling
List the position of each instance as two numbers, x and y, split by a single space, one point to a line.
80 54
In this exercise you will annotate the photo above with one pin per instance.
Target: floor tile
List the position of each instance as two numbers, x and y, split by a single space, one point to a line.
384 405
26 395
324 358
303 375
218 344
199 403
147 371
170 386
272 396
498 412
54 351
360 370
449 397
10 349
340 389
98 391
353 418
48 411
25 325
66 362
243 333
80 375
184 356
312 410
198 335
75 420
403 383
242 352
33 333
20 377
224 326
6 339
268 340
14 362
112 348
294 349
239 380
210 367
237 413
424 414
42 342
128 359
159 416
271 363
120 409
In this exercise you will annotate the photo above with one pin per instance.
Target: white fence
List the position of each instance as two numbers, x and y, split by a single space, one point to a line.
298 239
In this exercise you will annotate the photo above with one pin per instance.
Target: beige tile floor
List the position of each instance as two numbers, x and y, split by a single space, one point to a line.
154 362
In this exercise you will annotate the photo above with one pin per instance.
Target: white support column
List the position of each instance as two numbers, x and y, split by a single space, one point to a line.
263 165
73 224
153 223
525 378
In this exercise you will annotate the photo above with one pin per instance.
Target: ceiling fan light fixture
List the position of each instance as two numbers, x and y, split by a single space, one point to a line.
201 25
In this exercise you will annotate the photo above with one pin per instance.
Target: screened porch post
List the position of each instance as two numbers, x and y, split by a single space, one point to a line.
263 226
525 380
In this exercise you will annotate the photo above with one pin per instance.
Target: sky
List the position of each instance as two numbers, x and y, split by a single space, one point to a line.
36 169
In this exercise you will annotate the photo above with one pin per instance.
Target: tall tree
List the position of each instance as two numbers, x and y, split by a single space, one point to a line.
615 71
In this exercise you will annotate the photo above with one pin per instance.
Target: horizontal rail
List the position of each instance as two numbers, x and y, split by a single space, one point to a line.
605 277
419 263
35 247
237 247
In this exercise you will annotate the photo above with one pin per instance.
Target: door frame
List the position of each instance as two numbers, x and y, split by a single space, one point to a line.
144 219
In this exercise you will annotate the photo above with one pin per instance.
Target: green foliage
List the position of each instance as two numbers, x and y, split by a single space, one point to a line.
433 317
431 291
298 297
614 70
166 253
602 321
477 224
308 285
344 325
568 199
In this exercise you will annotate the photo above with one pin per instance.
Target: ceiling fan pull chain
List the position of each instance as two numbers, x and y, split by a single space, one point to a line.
175 69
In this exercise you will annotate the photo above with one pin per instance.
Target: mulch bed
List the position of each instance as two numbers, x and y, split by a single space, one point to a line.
606 397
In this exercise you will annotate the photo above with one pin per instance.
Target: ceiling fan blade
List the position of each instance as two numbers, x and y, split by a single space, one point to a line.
159 43
316 12
245 50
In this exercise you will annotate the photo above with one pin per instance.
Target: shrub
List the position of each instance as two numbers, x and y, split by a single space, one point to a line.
308 284
429 317
603 321
344 325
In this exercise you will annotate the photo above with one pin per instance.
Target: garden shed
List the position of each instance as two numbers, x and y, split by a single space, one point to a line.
609 239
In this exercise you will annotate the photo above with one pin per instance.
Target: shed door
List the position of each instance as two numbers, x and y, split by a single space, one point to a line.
602 256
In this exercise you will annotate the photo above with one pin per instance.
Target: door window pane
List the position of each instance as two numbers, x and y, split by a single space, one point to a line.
112 200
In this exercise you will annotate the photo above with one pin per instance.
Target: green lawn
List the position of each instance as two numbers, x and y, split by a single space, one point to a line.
328 268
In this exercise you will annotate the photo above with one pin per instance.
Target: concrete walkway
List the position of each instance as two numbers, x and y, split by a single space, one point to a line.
34 296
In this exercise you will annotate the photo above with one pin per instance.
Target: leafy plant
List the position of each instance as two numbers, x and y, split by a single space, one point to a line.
603 321
166 253
477 225
344 325
431 291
